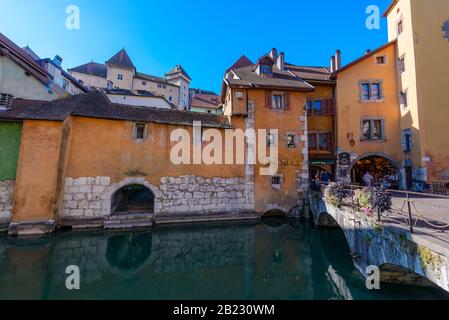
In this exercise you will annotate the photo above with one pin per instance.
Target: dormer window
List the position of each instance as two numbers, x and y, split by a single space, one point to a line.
265 70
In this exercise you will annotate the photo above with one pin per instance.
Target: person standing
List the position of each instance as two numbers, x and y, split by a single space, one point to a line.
368 179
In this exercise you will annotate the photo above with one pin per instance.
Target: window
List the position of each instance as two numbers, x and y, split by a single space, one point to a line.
5 101
324 141
313 141
375 91
365 91
120 77
381 60
239 94
170 98
276 180
278 101
321 141
291 140
407 140
161 86
400 27
371 91
321 107
317 107
265 70
403 96
144 83
401 65
139 131
372 130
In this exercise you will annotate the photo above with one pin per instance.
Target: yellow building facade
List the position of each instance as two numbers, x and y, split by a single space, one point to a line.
421 30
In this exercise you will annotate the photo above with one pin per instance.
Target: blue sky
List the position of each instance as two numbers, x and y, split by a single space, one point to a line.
206 37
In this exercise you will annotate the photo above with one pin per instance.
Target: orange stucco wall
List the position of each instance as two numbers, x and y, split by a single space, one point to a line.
37 172
107 148
351 110
285 121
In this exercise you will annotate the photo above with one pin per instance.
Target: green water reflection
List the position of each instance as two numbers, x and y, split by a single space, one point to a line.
277 259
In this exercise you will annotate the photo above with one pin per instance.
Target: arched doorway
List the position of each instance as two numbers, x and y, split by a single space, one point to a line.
317 171
385 172
132 199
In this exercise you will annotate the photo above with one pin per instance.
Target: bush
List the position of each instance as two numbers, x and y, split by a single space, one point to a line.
372 199
335 193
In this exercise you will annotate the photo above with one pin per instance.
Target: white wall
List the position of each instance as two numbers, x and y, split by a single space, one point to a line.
139 101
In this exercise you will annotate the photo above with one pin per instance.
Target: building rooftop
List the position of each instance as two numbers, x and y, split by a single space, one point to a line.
203 100
96 104
93 69
121 59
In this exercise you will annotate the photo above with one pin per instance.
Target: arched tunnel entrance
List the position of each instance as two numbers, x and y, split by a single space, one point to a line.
133 199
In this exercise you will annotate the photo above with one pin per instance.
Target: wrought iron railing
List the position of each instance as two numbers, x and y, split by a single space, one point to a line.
414 210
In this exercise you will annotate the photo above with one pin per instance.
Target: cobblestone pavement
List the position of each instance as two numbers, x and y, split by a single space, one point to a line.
430 215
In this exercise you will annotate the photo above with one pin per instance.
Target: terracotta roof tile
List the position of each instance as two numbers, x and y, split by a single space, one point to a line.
96 104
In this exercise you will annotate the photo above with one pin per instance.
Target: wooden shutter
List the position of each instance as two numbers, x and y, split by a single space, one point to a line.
287 101
268 99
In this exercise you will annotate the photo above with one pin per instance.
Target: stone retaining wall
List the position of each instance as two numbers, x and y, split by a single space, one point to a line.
90 197
202 195
6 199
83 197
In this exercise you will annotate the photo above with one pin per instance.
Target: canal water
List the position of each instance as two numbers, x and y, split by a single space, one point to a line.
275 259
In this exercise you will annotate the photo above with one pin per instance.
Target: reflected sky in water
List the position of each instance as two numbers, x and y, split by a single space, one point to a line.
275 259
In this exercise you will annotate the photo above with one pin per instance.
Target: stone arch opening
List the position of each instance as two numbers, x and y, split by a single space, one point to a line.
129 251
385 170
132 199
275 213
326 220
320 172
391 273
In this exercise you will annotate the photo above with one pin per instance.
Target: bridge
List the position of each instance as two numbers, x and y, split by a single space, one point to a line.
409 243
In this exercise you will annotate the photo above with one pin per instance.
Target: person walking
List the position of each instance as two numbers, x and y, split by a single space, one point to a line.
368 179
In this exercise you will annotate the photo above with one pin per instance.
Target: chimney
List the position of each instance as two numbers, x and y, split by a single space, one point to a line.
281 61
274 54
333 64
337 60
57 60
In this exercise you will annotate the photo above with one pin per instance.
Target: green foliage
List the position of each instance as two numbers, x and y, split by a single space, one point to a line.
429 260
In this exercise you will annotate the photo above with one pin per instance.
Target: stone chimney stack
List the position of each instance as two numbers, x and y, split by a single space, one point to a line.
281 61
274 54
337 60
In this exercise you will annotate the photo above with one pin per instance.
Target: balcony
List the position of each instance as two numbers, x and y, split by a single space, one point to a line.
321 107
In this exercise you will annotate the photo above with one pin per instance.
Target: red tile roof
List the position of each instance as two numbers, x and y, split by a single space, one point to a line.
208 101
121 59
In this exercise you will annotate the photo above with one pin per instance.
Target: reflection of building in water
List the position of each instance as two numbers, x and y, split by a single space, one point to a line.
124 264
283 264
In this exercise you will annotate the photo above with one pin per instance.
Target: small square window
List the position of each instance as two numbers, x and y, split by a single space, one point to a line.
239 95
381 60
140 131
291 141
120 77
144 83
276 180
